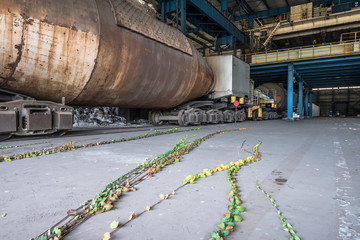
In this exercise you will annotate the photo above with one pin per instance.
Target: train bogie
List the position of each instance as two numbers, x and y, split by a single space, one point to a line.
29 117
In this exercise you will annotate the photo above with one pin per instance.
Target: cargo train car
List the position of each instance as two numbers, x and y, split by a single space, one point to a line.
107 53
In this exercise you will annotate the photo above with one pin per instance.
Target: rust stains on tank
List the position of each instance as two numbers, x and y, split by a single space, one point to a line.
54 65
10 67
75 49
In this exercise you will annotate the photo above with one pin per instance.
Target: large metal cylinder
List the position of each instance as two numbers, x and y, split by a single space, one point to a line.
97 53
281 94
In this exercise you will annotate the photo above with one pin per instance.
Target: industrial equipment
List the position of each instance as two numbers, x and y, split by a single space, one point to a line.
111 53
232 82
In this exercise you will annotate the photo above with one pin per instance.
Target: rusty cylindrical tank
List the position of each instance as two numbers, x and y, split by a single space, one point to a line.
281 94
95 52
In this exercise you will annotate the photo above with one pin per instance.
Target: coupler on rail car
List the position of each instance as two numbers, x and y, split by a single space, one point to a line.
31 117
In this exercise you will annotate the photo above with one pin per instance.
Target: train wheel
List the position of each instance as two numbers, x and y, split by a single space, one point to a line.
155 118
220 116
255 115
271 115
229 116
265 115
181 118
242 116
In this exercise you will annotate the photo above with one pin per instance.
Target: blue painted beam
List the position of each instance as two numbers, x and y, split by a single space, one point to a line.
163 12
219 19
328 60
204 8
350 68
338 83
325 66
335 81
344 81
287 2
334 85
300 105
306 103
169 6
310 107
335 78
183 16
299 77
290 91
224 6
332 74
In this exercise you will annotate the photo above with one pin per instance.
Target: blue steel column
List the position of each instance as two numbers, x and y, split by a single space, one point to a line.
290 90
300 106
183 16
310 107
224 6
163 15
307 103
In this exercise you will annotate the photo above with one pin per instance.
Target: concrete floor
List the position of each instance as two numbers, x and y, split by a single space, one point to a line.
310 167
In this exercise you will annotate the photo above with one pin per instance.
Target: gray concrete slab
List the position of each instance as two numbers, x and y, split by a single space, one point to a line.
310 167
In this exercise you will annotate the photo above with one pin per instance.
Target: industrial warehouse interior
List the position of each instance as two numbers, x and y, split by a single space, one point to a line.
180 119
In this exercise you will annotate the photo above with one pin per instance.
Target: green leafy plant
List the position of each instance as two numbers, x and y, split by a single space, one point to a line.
105 200
287 227
71 146
23 145
228 222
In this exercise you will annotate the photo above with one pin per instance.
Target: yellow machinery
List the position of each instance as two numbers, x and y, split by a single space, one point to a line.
263 105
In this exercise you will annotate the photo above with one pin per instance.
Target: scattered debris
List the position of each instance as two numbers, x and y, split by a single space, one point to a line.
102 117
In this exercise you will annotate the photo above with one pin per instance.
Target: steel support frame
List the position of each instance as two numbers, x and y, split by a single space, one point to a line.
300 104
215 15
290 91
224 6
307 103
183 16
218 20
163 12
310 104
328 72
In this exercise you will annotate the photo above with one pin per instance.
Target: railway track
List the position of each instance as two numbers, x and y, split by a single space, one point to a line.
85 132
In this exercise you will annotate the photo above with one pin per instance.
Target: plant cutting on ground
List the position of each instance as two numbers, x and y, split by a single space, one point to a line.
287 227
228 222
104 201
71 146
